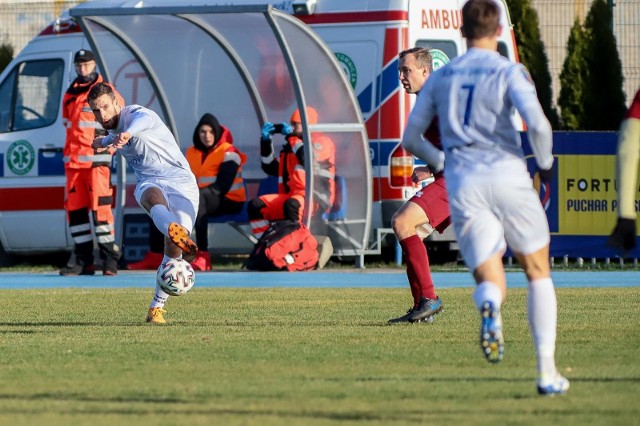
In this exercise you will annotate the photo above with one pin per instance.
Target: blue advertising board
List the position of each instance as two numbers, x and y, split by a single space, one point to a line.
581 200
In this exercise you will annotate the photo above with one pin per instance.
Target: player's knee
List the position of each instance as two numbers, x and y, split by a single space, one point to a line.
400 224
152 196
535 265
396 222
254 208
535 270
292 209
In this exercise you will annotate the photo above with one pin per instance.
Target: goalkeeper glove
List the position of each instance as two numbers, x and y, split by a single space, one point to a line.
624 235
546 175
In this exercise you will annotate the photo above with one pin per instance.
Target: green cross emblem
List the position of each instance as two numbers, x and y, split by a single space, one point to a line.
21 157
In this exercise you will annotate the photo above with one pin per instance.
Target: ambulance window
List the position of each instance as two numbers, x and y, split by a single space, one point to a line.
447 47
6 91
33 95
502 49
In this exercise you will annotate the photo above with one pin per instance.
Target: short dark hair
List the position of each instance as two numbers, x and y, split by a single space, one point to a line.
480 18
100 89
422 55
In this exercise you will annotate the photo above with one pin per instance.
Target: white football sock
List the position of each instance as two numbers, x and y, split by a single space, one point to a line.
542 310
162 218
159 299
487 291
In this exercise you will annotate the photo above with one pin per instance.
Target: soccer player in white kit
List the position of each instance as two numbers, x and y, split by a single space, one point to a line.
165 186
491 194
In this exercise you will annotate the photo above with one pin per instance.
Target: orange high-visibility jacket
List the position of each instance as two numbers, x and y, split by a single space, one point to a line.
82 128
205 165
292 175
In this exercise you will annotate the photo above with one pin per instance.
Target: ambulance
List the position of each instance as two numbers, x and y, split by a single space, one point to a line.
364 35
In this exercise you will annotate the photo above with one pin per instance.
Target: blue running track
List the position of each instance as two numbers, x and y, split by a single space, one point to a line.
317 279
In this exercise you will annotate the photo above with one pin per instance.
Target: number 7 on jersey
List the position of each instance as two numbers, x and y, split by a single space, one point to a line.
467 110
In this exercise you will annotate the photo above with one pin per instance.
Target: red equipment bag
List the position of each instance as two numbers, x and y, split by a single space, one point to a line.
285 246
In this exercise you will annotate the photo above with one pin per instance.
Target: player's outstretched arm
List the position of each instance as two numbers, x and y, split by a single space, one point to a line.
523 95
139 120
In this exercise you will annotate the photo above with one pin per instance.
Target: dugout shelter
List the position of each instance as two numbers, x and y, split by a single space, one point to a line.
246 65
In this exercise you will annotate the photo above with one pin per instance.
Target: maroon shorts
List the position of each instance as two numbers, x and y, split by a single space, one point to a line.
433 200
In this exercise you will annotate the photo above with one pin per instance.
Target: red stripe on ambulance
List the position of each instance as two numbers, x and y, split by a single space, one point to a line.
391 126
350 17
46 198
382 190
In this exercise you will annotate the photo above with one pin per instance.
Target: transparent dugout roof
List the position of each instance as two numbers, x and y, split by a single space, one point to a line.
246 65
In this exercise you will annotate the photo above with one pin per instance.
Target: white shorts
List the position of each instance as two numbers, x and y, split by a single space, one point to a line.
182 198
489 208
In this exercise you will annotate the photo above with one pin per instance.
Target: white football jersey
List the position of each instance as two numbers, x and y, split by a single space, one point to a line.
474 96
152 152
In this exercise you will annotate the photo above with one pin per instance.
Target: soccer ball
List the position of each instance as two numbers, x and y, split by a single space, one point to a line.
175 277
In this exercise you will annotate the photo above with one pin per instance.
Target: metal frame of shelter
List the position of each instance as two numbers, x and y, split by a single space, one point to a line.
228 42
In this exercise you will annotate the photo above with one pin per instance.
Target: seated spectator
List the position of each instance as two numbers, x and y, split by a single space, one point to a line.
217 165
289 167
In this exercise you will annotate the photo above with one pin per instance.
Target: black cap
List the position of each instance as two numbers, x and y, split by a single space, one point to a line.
83 55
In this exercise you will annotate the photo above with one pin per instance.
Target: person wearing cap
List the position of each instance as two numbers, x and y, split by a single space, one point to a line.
88 176
289 167
217 166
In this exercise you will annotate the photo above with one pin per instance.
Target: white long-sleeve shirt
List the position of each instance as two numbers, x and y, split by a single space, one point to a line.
152 152
474 96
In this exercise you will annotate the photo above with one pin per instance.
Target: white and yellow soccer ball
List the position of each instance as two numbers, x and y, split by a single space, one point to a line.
175 277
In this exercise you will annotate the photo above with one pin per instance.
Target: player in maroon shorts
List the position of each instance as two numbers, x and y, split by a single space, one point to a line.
425 211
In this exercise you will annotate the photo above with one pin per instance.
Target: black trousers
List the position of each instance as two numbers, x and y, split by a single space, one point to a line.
212 204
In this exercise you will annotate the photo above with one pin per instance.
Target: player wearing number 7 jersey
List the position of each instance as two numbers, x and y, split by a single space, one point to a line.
491 194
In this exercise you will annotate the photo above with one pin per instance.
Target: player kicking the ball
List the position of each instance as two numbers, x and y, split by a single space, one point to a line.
491 194
165 186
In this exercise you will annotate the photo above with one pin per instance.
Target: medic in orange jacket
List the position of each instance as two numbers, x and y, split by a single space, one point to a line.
290 169
88 186
82 128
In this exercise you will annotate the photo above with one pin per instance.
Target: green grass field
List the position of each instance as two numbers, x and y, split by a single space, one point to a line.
306 357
